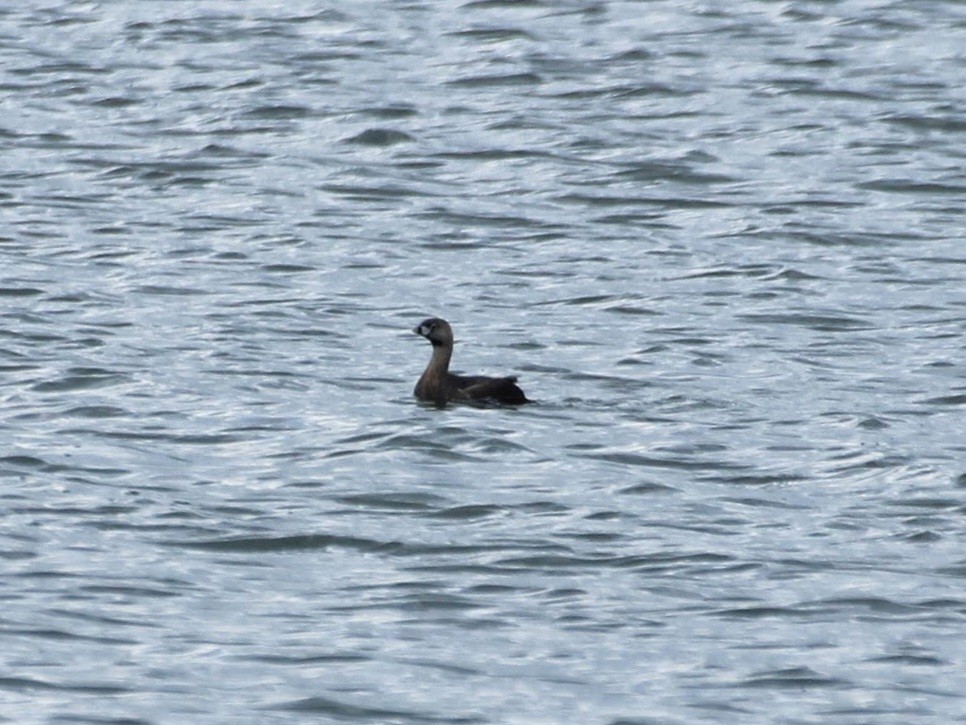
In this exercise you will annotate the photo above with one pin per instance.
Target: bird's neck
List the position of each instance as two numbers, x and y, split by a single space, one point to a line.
432 383
439 362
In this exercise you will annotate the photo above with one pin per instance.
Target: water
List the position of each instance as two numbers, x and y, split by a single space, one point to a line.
721 244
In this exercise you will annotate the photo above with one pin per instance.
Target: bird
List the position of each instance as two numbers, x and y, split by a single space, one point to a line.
438 385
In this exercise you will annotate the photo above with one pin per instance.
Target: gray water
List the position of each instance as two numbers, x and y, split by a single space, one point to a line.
721 243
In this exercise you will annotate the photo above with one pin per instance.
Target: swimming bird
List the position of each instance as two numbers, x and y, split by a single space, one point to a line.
437 384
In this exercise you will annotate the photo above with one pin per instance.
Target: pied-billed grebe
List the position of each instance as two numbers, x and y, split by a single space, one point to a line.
439 385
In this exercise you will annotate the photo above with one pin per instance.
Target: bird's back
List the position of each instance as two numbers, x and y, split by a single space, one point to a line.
481 387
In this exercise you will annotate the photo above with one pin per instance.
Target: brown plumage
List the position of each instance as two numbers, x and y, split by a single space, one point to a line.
439 385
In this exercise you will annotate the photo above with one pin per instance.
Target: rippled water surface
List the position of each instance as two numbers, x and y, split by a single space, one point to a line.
721 243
